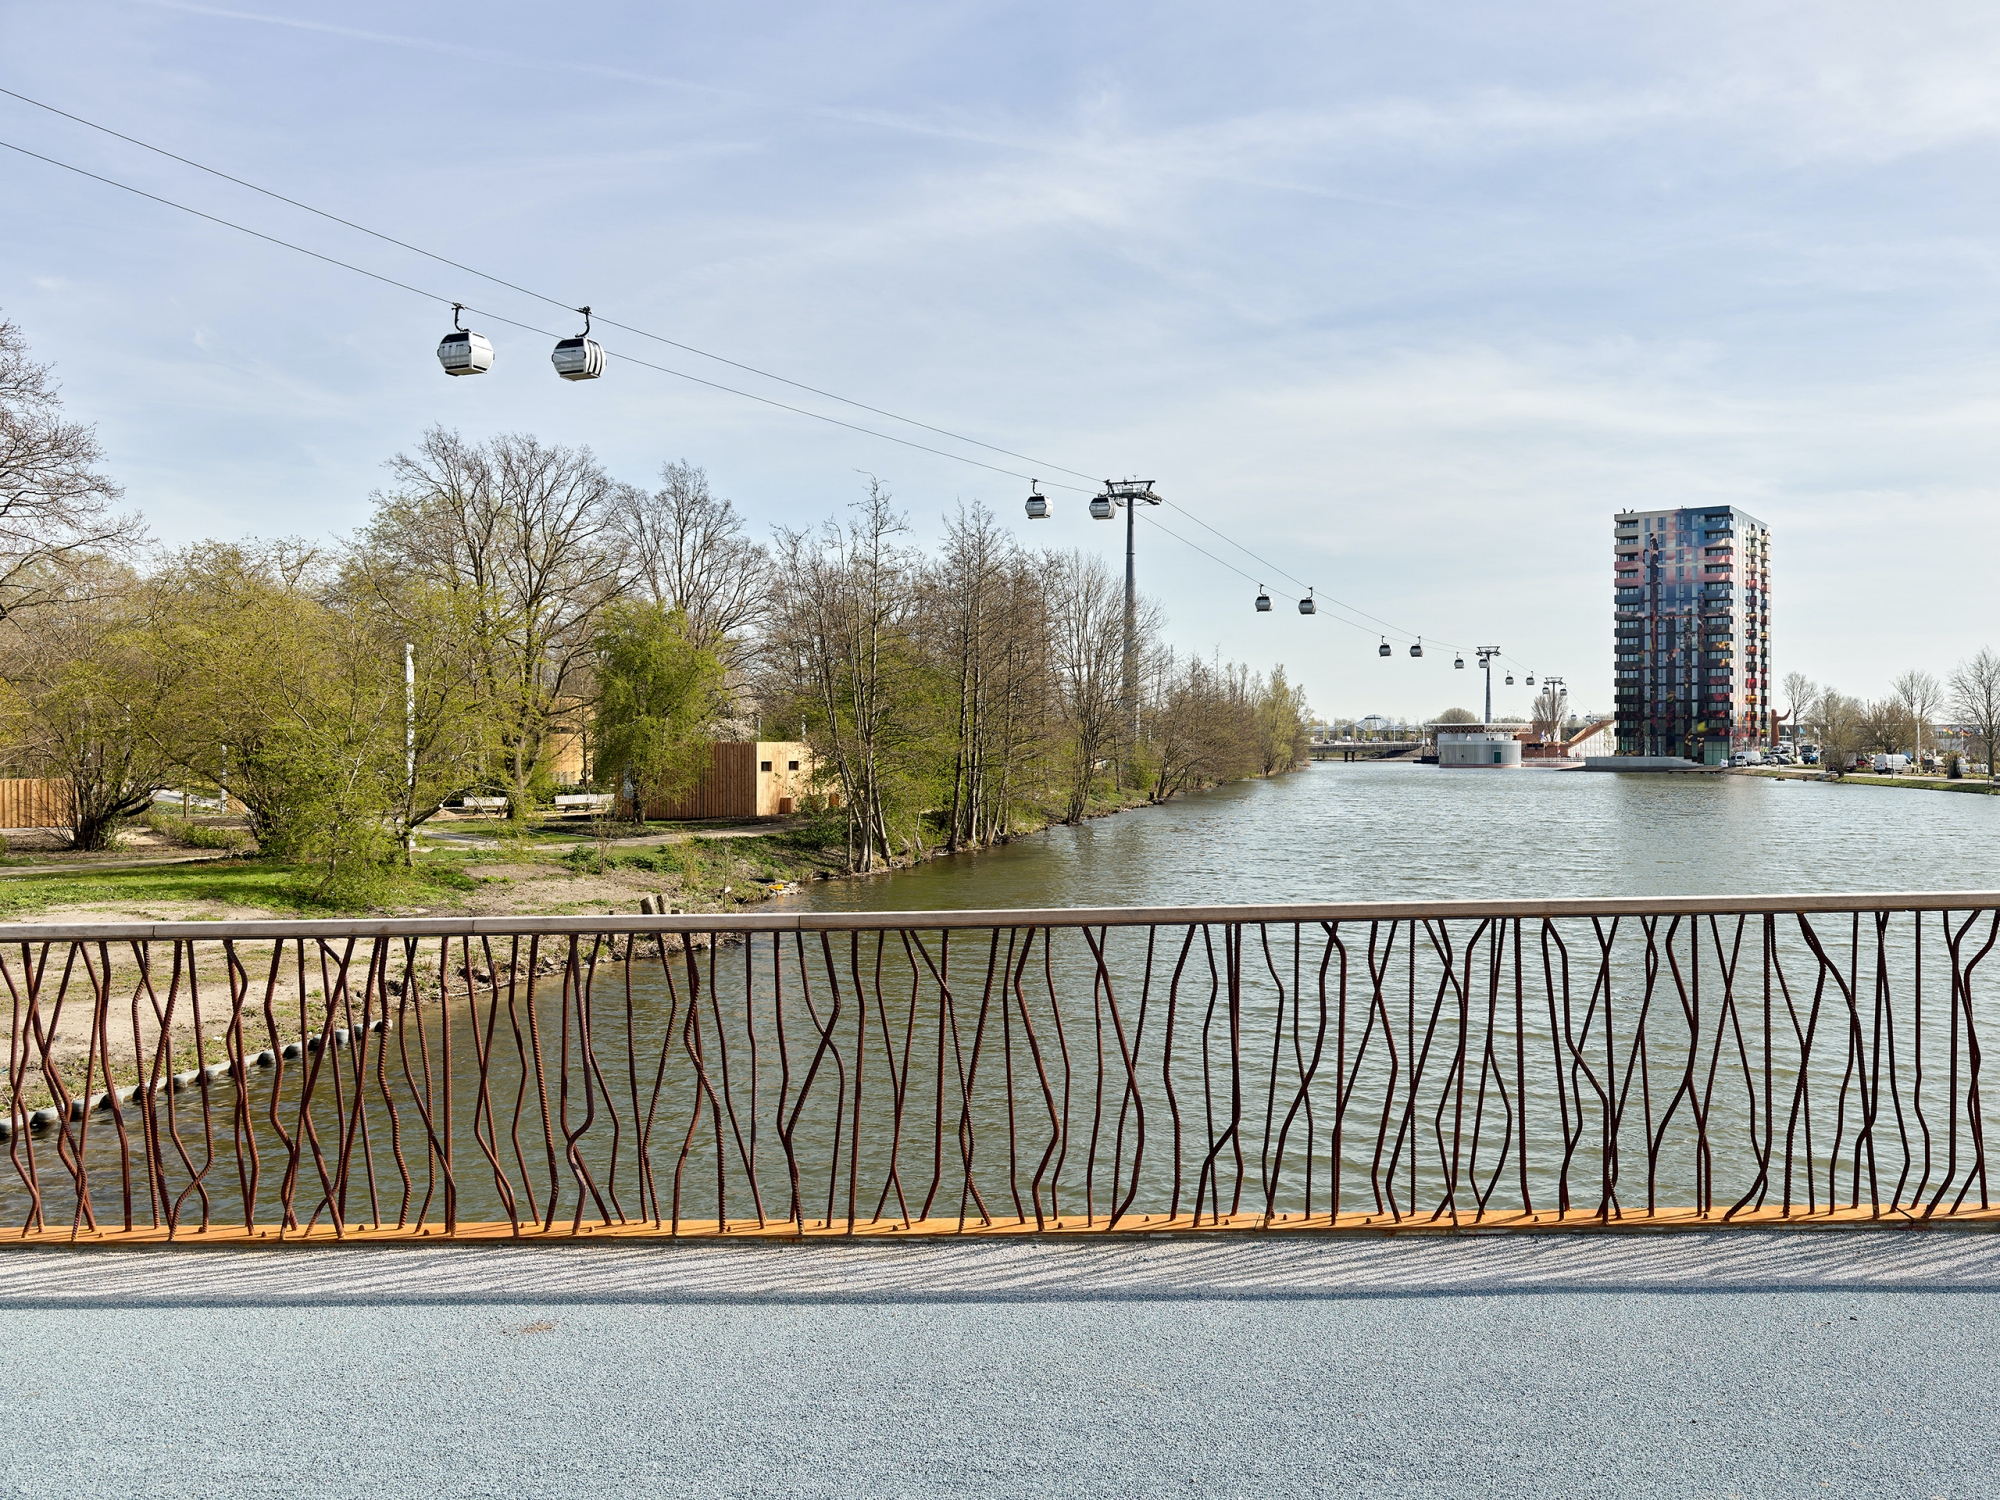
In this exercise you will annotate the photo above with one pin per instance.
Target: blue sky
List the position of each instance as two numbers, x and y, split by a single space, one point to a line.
1407 300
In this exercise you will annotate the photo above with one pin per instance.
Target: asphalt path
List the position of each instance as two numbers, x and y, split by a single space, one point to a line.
1743 1364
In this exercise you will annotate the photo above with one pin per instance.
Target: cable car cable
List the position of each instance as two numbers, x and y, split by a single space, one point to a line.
402 244
445 260
510 322
626 327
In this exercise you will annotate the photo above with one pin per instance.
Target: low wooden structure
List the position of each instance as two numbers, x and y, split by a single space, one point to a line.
33 802
744 779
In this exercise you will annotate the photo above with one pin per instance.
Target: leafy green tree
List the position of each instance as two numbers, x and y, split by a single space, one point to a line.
82 697
1284 724
292 701
659 693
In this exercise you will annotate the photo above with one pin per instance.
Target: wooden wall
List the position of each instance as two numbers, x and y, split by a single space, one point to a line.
734 786
32 802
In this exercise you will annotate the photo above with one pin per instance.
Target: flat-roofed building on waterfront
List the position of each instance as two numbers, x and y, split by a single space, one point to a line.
1692 631
1486 745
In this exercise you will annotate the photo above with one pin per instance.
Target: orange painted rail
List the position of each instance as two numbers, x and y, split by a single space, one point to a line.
1387 1067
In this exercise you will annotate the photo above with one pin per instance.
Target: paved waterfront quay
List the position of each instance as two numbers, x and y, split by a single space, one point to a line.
1747 1364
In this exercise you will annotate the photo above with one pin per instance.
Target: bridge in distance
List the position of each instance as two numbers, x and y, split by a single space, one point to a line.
1362 749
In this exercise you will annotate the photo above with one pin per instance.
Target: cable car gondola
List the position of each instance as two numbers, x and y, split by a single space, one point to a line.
1306 605
1384 649
1038 507
1529 679
1459 664
1510 679
580 358
464 352
1418 649
1100 507
1263 601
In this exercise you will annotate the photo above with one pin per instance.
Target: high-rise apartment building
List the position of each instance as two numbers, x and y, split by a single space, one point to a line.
1693 631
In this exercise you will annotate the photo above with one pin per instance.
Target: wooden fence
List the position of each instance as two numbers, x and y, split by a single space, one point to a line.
33 802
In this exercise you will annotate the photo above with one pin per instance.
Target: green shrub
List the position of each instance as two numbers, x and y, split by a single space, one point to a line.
196 836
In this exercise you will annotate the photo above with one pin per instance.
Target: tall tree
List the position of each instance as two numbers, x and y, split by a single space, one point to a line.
1086 614
84 702
291 701
687 551
1283 724
982 621
1975 703
841 644
1801 694
522 537
56 510
1919 695
1549 713
659 693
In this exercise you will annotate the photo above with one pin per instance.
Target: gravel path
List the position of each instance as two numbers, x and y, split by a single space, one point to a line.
1733 1364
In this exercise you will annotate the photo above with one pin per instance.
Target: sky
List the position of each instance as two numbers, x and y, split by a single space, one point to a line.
1406 301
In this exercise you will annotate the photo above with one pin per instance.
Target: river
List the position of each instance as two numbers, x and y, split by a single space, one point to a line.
1384 832
1435 1067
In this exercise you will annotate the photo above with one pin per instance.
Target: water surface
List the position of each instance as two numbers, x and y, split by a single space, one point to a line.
1340 832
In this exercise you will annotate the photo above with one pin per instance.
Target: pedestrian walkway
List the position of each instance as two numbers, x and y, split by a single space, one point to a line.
1738 1364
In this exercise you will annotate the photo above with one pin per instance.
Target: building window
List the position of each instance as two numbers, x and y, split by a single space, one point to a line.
791 765
763 765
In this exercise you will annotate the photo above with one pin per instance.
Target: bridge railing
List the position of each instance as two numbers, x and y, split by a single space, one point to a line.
1445 1065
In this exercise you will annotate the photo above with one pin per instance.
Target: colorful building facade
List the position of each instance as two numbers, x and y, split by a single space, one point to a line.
1692 628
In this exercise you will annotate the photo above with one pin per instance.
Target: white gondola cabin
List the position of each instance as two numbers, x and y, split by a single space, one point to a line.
579 358
463 352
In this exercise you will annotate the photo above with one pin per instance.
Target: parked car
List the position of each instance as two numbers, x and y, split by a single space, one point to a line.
1747 758
1890 765
1778 758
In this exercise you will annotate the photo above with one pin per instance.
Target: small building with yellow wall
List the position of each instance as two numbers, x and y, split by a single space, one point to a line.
744 779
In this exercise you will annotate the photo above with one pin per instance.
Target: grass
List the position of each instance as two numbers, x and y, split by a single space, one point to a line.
264 884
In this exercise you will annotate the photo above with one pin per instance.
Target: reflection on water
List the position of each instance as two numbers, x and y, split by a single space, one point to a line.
1341 832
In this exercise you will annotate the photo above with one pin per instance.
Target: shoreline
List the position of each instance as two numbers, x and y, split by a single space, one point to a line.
1968 784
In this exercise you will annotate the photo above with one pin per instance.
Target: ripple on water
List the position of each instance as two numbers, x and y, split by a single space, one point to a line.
1342 832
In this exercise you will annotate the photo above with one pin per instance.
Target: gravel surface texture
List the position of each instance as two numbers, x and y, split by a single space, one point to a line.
1725 1365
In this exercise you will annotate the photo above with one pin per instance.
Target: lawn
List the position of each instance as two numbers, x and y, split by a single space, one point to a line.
264 884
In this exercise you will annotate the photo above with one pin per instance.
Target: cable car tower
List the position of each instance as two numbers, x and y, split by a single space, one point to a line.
1486 655
1130 493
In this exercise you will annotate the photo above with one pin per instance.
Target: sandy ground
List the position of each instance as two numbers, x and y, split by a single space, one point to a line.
137 1015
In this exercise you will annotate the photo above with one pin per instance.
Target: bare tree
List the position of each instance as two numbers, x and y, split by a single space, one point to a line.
839 645
1550 710
1975 703
1841 725
685 547
1802 693
522 538
1086 614
1883 725
55 506
983 625
1920 696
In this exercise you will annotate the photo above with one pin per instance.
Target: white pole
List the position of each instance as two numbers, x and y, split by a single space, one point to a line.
410 743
